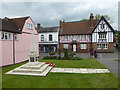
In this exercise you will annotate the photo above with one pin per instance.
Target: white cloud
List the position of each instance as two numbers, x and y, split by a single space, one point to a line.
49 13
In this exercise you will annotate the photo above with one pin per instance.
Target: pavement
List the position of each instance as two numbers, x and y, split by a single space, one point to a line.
79 70
107 60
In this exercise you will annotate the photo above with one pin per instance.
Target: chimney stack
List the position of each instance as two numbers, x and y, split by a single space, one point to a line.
6 18
91 20
61 24
38 26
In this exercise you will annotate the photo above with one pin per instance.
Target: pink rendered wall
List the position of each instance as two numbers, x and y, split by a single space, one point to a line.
22 46
78 39
0 53
7 51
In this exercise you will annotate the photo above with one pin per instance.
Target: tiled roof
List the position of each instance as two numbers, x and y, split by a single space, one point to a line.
12 24
48 29
78 27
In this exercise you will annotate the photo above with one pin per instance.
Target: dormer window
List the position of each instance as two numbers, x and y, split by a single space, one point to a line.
29 26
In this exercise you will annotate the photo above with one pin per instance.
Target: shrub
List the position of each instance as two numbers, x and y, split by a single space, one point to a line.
71 54
51 53
75 58
50 57
71 58
66 53
59 53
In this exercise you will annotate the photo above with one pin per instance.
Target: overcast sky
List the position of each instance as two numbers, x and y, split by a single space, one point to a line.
49 13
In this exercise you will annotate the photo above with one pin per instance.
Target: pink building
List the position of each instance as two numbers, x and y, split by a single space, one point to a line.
15 39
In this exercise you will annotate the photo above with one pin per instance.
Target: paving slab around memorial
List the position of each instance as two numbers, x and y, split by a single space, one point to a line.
79 70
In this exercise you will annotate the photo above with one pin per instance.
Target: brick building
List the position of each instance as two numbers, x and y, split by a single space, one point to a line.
86 36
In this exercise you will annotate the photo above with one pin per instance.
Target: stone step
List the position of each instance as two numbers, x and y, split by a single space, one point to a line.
38 66
43 67
29 70
44 73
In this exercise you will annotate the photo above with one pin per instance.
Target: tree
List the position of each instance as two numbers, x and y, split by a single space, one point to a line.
59 53
84 19
98 16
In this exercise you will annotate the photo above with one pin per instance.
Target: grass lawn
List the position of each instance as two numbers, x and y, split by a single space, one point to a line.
117 60
62 80
85 63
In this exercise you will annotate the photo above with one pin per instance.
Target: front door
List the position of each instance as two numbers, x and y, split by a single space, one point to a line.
74 47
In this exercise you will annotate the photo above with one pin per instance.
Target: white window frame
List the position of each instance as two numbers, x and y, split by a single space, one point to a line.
42 37
74 37
83 46
50 37
105 46
29 26
99 46
65 46
83 37
6 36
65 38
102 36
15 36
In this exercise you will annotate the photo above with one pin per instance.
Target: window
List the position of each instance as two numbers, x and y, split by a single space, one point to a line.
15 37
50 37
105 46
74 37
42 37
5 36
65 37
102 35
83 46
83 37
102 26
29 26
99 46
9 36
2 35
65 46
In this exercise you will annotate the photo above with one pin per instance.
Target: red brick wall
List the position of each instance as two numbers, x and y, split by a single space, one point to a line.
110 48
78 48
94 47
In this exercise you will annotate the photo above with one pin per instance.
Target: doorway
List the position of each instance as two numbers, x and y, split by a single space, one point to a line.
74 47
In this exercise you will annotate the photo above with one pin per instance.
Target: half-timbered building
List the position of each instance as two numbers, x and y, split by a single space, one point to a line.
86 36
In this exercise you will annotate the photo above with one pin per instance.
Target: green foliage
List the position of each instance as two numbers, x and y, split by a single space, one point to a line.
71 58
66 53
75 58
84 19
51 53
71 54
59 53
50 57
98 16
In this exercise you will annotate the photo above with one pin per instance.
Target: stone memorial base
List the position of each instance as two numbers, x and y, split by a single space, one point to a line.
32 68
